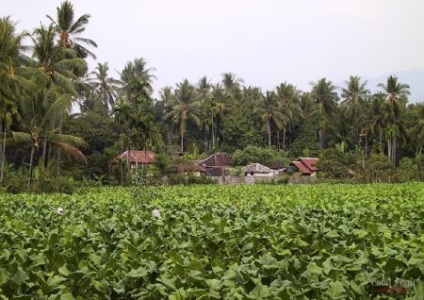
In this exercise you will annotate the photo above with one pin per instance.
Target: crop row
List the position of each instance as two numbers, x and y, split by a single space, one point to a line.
215 242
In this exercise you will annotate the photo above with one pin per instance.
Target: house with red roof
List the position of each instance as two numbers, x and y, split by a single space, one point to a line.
137 157
306 165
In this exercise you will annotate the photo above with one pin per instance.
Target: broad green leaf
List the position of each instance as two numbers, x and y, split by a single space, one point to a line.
140 272
336 290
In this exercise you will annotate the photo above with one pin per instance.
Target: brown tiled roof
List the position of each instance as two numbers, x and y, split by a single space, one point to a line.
306 165
215 171
310 162
219 159
190 167
138 156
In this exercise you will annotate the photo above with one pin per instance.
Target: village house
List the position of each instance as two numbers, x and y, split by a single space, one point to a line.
306 166
137 157
258 170
217 164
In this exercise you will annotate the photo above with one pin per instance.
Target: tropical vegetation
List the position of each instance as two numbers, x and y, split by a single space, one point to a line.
215 242
59 119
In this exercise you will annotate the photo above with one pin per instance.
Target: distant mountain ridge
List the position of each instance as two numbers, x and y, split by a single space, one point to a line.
413 78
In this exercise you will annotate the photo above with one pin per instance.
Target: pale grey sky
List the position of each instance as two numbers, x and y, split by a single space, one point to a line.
265 42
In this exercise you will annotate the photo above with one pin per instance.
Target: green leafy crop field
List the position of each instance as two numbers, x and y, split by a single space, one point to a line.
215 242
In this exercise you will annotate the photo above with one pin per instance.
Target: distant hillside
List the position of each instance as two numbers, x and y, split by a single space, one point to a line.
414 78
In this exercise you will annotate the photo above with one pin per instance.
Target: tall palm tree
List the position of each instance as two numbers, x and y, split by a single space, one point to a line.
38 127
185 108
325 96
289 99
136 80
58 71
354 95
271 114
104 86
166 95
58 65
12 79
396 97
376 119
216 104
230 81
233 88
69 30
417 129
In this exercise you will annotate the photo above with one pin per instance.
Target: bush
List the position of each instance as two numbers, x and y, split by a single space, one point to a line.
189 179
15 183
53 185
265 156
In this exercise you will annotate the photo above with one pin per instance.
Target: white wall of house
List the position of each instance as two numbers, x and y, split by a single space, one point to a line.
261 175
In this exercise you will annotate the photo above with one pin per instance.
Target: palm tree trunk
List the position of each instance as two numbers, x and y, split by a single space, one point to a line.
128 149
31 159
3 154
278 140
394 150
182 143
321 137
45 153
284 139
269 132
213 136
380 133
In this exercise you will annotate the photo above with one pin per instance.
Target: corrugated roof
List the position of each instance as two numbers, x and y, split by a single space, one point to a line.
138 156
256 168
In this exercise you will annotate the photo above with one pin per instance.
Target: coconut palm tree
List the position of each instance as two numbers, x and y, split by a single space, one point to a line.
396 97
69 30
12 79
216 105
354 94
104 87
185 108
59 66
136 80
271 115
325 96
233 88
289 99
38 127
375 119
417 129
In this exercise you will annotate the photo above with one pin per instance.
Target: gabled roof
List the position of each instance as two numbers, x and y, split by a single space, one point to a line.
306 165
219 159
215 171
190 166
138 156
256 168
310 162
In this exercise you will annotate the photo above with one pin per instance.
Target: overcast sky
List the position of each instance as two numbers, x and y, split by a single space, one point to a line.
264 42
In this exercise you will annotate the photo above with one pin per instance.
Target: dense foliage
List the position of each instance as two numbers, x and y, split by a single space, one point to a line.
215 242
42 81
